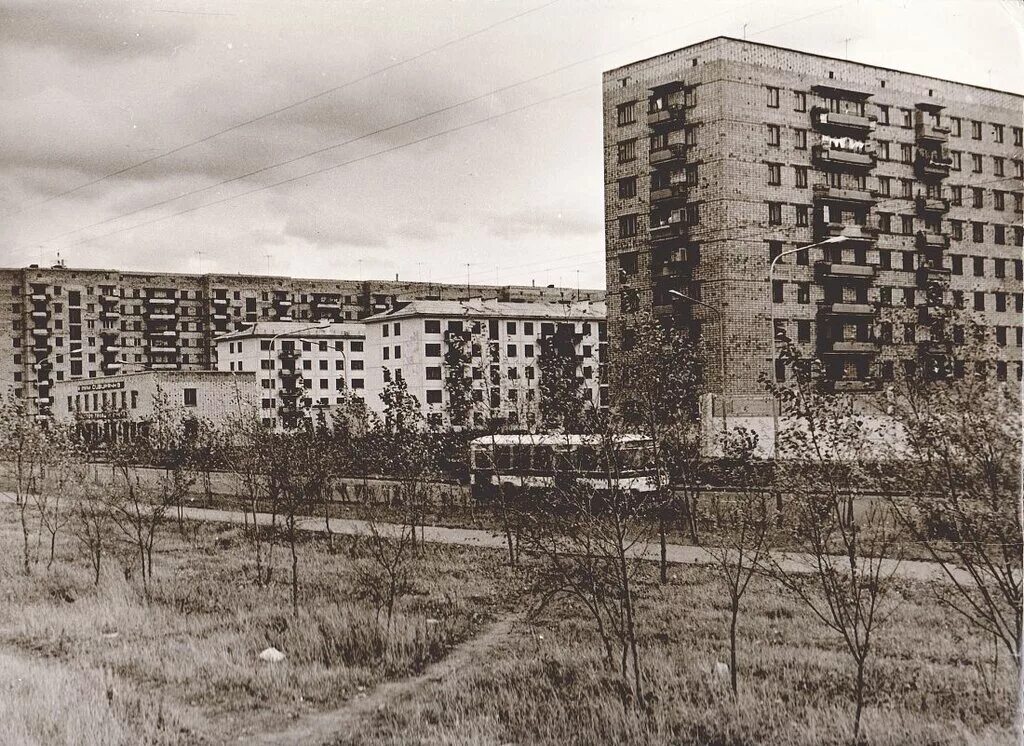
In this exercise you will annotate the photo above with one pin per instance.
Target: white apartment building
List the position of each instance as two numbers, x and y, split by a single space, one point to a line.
499 345
299 366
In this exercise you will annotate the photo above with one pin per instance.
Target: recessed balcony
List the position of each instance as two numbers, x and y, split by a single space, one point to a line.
40 314
163 333
837 158
219 301
667 232
112 365
160 301
218 316
110 314
163 366
840 271
109 298
931 205
852 347
674 153
667 116
832 121
925 240
932 165
39 331
847 309
838 194
111 349
670 193
825 230
39 297
926 131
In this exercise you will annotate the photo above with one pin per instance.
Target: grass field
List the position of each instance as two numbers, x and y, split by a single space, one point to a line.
85 664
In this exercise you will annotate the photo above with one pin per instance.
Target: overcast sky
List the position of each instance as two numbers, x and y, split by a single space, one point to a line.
92 88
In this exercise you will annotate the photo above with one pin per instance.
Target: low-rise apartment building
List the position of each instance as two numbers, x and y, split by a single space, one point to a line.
118 406
470 362
300 367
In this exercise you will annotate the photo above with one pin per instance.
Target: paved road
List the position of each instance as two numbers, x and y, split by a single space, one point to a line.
677 554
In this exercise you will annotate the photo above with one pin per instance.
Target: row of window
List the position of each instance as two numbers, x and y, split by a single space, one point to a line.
910 297
886 335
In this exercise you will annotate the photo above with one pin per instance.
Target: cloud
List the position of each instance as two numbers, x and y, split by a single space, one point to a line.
92 30
326 230
544 222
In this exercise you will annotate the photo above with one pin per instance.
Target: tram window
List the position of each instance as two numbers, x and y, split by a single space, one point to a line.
503 457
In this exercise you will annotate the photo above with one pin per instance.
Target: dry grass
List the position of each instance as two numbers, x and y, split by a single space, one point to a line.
103 665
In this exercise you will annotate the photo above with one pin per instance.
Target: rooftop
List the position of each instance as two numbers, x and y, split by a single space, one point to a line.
480 308
807 54
294 328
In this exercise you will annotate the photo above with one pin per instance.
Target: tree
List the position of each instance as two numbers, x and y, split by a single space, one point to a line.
458 381
953 471
850 557
563 399
23 440
64 470
585 535
742 518
659 375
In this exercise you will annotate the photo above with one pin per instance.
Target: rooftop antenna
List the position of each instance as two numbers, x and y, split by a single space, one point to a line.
745 32
267 257
467 280
199 254
577 284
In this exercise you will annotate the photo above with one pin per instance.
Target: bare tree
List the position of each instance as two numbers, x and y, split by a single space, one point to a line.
91 524
850 553
742 519
64 469
23 441
385 577
586 535
658 376
953 470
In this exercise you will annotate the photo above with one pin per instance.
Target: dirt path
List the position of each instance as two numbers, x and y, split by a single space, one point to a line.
328 727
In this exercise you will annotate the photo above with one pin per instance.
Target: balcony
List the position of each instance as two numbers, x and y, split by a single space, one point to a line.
160 301
674 153
217 301
836 194
219 316
930 275
109 332
163 366
40 331
283 302
837 158
112 366
288 355
40 314
852 347
932 165
160 316
847 309
668 232
111 349
925 131
164 334
842 230
39 297
109 299
44 400
840 271
849 124
110 314
852 385
933 347
931 205
937 241
668 116
671 193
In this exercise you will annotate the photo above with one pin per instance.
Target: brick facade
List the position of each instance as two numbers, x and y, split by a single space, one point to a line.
743 150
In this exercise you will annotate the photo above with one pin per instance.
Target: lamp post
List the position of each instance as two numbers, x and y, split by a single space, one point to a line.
721 335
322 324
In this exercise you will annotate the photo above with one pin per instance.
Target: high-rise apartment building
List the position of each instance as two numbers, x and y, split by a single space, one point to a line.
726 154
63 323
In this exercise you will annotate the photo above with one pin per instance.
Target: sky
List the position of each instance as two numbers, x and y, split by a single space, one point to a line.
183 135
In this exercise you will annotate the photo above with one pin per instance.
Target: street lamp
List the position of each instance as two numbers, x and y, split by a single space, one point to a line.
721 346
322 324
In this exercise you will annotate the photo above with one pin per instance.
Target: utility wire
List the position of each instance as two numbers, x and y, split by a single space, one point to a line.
444 109
293 105
338 165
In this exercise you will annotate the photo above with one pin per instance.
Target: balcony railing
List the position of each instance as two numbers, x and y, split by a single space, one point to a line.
926 131
674 152
847 309
925 240
926 204
838 270
852 385
930 275
668 232
852 347
160 301
823 119
932 165
837 194
163 366
825 230
670 115
672 192
836 158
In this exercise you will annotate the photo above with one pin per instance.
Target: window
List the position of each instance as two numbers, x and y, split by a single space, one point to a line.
803 331
999 166
979 266
907 153
801 139
1018 169
432 326
883 114
774 249
978 232
954 158
909 334
803 292
883 150
907 188
627 226
955 125
626 113
999 234
976 163
978 197
908 261
885 223
627 187
1018 202
774 213
800 173
528 327
908 117
884 186
431 350
799 101
803 216
956 195
778 295
191 397
690 136
885 296
957 267
979 301
956 228
774 174
975 130
906 224
1000 268
773 135
692 213
433 396
659 141
1000 301
773 98
627 151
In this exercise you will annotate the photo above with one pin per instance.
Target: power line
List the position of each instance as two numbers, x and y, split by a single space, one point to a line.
293 105
337 165
444 109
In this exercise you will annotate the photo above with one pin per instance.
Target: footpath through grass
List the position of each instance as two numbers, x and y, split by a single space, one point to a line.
85 664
